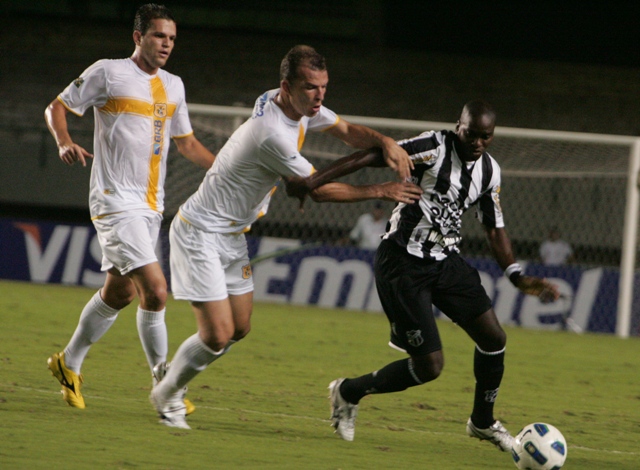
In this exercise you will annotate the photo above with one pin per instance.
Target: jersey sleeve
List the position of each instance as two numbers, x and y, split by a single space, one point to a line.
489 209
283 158
180 123
422 149
323 120
88 90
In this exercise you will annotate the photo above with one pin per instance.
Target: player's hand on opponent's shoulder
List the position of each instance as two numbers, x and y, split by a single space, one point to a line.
73 153
545 290
397 159
405 192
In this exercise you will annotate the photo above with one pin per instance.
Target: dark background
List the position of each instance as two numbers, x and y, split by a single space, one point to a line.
548 65
569 66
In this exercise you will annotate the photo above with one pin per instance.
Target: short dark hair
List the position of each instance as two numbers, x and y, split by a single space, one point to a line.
147 13
479 108
300 55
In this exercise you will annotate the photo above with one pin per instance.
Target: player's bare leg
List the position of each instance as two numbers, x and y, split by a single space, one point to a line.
220 324
95 320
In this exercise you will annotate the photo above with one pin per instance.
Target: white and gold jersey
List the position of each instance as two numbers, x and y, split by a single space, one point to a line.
238 187
136 115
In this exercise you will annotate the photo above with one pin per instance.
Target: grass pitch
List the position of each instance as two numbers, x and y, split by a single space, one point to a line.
264 405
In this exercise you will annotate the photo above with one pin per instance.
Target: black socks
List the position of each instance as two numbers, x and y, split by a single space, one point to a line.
393 377
488 367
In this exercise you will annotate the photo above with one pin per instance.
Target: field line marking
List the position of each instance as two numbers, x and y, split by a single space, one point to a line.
309 418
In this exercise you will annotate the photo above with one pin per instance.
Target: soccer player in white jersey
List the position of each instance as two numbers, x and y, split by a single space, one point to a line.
418 264
209 259
138 108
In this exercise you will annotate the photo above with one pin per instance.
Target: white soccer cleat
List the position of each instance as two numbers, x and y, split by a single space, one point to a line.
159 371
172 412
343 413
497 434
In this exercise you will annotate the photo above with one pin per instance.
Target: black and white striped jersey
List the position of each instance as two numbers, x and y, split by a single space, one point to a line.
430 228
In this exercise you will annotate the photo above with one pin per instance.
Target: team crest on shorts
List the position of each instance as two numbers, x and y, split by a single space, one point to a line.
414 337
246 271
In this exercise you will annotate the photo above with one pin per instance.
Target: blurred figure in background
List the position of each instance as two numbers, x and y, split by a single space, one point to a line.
368 231
554 251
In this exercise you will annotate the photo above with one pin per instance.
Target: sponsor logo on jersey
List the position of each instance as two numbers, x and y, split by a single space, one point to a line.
78 81
444 241
158 126
424 157
260 104
496 198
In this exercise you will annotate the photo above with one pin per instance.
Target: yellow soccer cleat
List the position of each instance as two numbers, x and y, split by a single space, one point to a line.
190 406
70 381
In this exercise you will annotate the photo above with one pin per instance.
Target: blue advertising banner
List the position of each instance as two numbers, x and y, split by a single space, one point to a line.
287 271
49 252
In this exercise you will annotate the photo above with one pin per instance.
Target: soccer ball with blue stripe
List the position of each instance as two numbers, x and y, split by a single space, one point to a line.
539 446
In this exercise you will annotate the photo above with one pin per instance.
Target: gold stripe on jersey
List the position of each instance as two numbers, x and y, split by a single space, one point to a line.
123 105
159 110
159 96
300 136
332 125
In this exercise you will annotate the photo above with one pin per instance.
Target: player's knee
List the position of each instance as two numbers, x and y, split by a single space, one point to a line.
493 342
117 298
215 342
241 332
155 298
428 368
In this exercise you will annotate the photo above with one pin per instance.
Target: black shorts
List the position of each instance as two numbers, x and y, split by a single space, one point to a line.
408 286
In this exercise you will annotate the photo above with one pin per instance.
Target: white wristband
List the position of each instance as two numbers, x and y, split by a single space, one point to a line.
512 268
513 272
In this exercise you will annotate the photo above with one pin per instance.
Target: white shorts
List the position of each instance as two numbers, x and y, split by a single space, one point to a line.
207 266
128 239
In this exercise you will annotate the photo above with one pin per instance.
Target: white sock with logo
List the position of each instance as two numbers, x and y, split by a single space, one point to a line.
95 320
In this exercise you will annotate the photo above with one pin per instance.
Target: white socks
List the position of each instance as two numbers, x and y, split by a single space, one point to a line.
152 331
95 320
191 358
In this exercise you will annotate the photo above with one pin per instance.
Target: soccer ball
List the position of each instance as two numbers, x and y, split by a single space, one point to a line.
539 446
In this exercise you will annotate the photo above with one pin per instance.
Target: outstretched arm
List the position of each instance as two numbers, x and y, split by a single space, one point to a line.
500 245
362 137
300 187
56 117
407 193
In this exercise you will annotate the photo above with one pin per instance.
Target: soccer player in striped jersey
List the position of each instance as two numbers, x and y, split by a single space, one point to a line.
418 264
138 108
